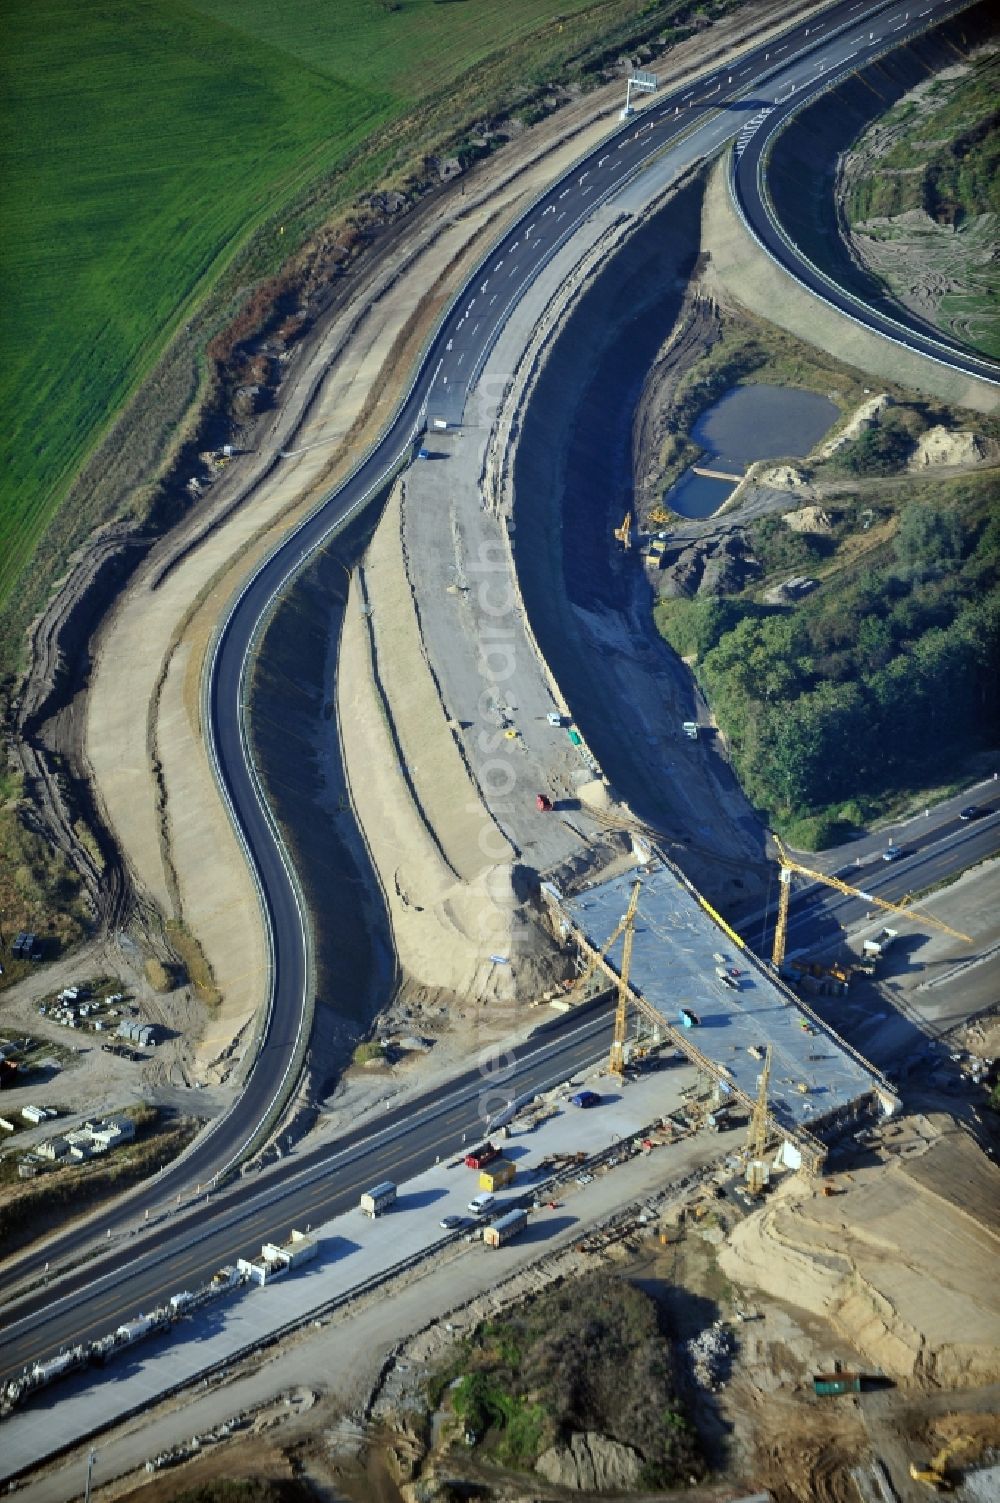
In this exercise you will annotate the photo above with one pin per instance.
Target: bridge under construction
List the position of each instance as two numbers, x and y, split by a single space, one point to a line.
693 980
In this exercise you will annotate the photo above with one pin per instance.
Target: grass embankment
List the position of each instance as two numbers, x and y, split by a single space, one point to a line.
39 890
553 1366
937 152
30 1208
881 680
143 147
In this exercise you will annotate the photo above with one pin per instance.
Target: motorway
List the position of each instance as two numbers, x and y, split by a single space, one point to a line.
871 37
310 1189
449 370
167 1257
820 916
138 1272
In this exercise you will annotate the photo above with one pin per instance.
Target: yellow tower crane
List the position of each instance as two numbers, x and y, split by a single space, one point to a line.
790 868
623 533
757 1137
598 959
616 1062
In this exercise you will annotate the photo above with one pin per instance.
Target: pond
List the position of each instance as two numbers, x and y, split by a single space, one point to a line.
749 423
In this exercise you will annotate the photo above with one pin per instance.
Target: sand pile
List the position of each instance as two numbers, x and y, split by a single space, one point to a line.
866 416
902 1263
463 911
940 446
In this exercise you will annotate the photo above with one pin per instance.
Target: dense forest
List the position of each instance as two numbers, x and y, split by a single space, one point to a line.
883 678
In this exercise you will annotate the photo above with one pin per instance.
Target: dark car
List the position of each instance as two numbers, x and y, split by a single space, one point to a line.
452 1223
892 853
586 1098
971 811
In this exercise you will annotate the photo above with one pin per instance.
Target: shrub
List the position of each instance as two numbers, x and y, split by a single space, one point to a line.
366 1052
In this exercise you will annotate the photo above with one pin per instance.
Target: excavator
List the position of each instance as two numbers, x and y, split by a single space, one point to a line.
935 1473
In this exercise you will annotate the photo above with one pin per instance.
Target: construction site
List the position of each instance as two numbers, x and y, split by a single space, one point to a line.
790 1156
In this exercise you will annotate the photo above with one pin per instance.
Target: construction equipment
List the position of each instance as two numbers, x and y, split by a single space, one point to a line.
757 1169
935 1473
616 1062
659 516
598 960
791 867
624 532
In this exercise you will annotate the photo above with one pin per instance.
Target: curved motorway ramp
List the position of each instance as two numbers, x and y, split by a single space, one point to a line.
795 67
867 41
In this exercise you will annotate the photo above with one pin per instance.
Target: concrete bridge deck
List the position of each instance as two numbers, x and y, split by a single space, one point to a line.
679 947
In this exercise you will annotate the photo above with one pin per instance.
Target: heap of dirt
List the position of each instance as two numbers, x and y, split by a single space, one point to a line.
542 1387
899 1261
940 446
866 417
460 906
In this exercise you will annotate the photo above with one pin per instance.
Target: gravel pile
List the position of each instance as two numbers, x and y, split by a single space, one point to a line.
710 1354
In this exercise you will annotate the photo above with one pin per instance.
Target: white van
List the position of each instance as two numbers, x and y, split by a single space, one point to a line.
482 1205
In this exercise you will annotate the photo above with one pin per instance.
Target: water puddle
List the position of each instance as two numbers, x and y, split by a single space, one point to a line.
749 423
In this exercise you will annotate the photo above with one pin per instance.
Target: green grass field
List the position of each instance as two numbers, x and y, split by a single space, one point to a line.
143 142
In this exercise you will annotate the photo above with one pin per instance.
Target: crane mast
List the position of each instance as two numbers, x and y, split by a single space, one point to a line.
789 868
616 1063
757 1137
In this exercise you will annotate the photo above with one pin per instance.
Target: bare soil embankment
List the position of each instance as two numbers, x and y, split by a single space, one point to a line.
745 274
450 877
899 1261
571 478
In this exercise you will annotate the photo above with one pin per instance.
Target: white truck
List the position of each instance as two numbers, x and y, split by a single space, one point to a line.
690 729
378 1199
877 947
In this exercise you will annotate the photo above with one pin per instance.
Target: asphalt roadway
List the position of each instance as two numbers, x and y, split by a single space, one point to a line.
869 38
819 916
141 1270
168 1259
449 370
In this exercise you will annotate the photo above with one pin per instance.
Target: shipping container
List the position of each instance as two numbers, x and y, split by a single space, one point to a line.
506 1229
379 1198
499 1174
